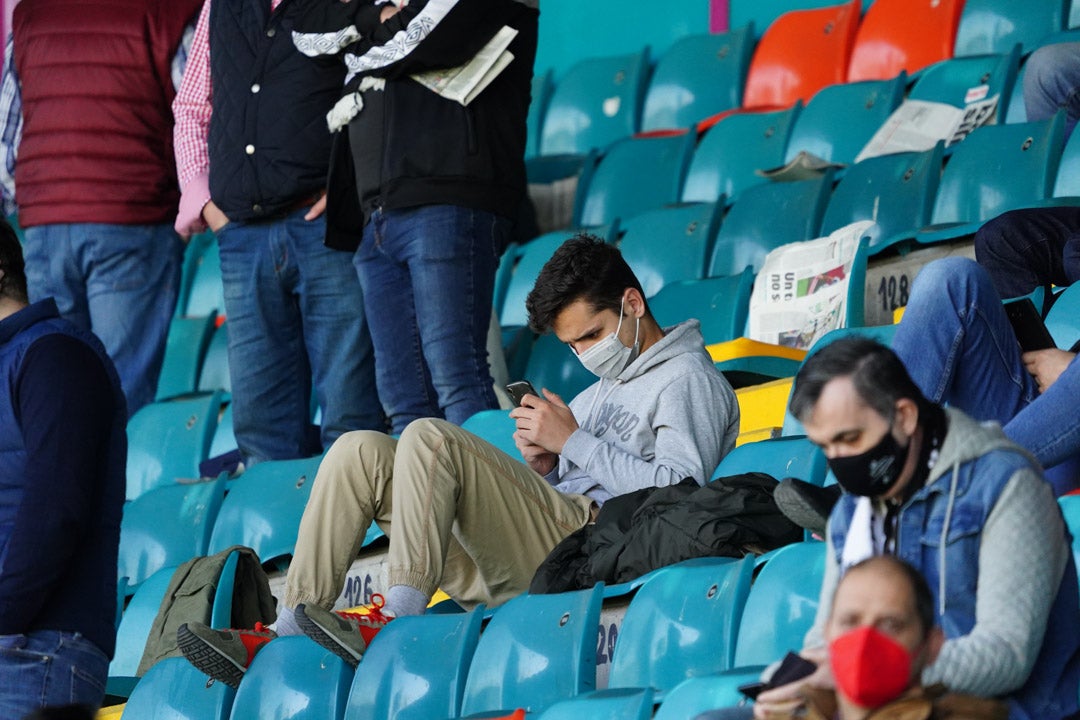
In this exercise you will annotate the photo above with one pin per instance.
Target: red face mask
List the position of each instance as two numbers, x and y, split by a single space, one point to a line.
870 668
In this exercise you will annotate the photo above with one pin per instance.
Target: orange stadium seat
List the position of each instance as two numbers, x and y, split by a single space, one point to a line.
903 35
800 53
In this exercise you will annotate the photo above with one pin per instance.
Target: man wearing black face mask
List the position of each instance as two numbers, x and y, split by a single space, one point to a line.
965 506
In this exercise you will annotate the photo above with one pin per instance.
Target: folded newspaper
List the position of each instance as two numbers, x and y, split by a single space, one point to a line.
801 291
804 166
463 83
918 125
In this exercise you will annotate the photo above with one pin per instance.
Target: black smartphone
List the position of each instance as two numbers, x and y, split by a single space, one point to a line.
519 389
1028 325
792 668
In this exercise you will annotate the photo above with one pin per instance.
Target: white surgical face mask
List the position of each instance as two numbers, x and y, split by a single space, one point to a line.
609 357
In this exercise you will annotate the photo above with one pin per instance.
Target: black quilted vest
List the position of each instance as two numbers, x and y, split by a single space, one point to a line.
269 144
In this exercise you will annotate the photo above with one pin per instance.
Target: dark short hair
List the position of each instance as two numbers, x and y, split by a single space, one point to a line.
920 589
583 268
13 281
879 377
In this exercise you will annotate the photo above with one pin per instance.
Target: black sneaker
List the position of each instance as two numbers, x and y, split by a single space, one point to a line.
805 504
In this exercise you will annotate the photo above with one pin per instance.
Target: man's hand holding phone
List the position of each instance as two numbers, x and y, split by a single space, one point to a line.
543 427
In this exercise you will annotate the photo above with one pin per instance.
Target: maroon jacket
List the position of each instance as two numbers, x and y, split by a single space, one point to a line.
97 143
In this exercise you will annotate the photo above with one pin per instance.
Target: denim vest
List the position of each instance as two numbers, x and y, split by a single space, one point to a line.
953 571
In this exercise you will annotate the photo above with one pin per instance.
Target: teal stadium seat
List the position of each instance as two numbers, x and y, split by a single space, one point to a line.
497 427
669 245
167 526
185 351
136 622
264 506
992 26
699 76
634 175
415 668
215 367
721 304
174 690
554 366
207 294
783 457
950 80
542 87
1070 508
535 651
293 678
167 440
779 611
622 704
1067 184
793 209
224 438
903 36
996 168
193 251
840 119
728 157
896 191
1063 320
596 102
681 623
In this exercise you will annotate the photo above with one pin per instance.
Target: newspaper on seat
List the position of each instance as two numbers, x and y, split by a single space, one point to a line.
801 291
918 125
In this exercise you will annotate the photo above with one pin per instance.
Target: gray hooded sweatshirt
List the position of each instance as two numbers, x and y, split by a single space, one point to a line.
669 415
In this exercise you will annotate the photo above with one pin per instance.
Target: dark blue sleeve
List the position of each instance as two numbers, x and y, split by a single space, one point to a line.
66 408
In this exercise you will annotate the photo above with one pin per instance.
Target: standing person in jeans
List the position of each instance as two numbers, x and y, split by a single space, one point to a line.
1052 83
252 152
430 184
86 143
63 449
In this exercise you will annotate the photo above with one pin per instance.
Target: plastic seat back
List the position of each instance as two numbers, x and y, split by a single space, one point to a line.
681 623
950 81
720 304
167 526
728 156
224 437
898 36
554 366
536 650
596 102
635 174
896 191
993 26
293 678
167 440
215 367
193 252
207 292
136 622
174 690
998 168
783 457
699 76
1063 320
782 603
793 211
185 351
415 668
665 246
840 119
542 87
1068 175
623 704
497 427
1070 508
264 506
763 13
800 53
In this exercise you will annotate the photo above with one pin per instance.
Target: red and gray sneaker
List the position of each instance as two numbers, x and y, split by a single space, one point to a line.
224 655
345 633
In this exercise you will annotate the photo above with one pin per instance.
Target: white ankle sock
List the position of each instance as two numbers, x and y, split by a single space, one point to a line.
405 600
286 622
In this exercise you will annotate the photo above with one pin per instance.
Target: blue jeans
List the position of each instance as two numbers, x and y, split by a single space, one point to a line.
1030 248
49 667
118 281
295 318
1052 82
959 348
428 275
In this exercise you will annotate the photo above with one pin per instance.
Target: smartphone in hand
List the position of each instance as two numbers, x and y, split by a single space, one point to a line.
518 390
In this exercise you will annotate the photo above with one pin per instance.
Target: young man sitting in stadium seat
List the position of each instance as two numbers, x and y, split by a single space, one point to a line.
967 507
462 515
882 635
